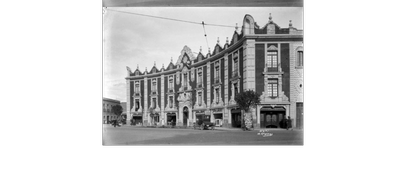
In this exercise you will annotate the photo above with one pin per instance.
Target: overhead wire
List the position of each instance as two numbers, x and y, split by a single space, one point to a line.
178 20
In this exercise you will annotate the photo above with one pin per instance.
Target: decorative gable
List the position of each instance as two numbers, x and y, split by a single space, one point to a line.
186 52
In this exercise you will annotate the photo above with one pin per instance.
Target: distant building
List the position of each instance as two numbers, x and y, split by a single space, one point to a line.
108 116
268 60
123 104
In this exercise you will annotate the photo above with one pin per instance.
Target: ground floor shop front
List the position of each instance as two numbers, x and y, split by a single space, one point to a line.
263 116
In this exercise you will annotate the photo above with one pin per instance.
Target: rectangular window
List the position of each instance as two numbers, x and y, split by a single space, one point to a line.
272 61
154 103
217 95
235 67
136 104
235 86
200 79
199 99
272 88
217 74
170 87
171 101
300 58
185 80
154 87
137 89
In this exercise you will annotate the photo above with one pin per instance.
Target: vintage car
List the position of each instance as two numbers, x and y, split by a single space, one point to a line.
204 126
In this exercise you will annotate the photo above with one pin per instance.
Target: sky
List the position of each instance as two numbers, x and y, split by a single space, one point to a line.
132 40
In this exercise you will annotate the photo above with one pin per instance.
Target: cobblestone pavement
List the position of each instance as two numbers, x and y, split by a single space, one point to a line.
130 135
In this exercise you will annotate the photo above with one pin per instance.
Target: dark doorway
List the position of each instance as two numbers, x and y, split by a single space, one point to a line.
171 119
236 118
185 115
136 120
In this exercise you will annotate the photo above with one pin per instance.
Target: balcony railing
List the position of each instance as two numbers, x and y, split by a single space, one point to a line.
216 80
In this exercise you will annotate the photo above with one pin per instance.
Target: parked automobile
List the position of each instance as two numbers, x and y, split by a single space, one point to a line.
207 126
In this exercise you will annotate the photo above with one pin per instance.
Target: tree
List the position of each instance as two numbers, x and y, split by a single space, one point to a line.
117 110
246 100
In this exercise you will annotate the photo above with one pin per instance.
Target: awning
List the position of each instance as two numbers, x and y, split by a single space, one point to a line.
236 111
277 108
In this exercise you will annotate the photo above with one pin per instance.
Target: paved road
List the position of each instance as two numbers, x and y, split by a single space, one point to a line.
129 135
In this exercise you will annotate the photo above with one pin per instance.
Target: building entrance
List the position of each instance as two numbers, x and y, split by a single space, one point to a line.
171 119
202 118
185 116
272 117
218 120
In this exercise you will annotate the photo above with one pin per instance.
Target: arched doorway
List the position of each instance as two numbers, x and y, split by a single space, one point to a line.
185 115
272 117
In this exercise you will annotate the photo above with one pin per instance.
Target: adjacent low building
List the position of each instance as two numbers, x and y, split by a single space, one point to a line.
267 59
108 116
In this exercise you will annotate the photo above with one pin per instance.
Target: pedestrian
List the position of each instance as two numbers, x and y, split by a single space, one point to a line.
289 124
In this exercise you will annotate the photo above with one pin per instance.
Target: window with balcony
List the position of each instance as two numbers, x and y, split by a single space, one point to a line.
217 72
137 88
272 88
235 67
199 78
154 103
236 89
154 87
272 61
217 95
171 102
170 84
299 61
137 104
185 80
199 98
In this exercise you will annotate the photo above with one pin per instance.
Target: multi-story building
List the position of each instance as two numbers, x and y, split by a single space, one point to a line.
268 60
108 115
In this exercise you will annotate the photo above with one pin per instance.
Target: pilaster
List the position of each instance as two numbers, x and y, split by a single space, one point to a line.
162 99
128 102
226 84
208 85
145 97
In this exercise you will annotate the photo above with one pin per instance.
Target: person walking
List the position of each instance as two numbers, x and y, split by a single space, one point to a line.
289 123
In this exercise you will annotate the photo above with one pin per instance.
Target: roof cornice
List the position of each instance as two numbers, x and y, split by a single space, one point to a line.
222 53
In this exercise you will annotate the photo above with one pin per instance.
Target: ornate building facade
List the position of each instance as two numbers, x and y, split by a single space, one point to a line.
268 60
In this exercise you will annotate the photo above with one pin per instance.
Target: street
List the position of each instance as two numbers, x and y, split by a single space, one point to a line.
131 135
